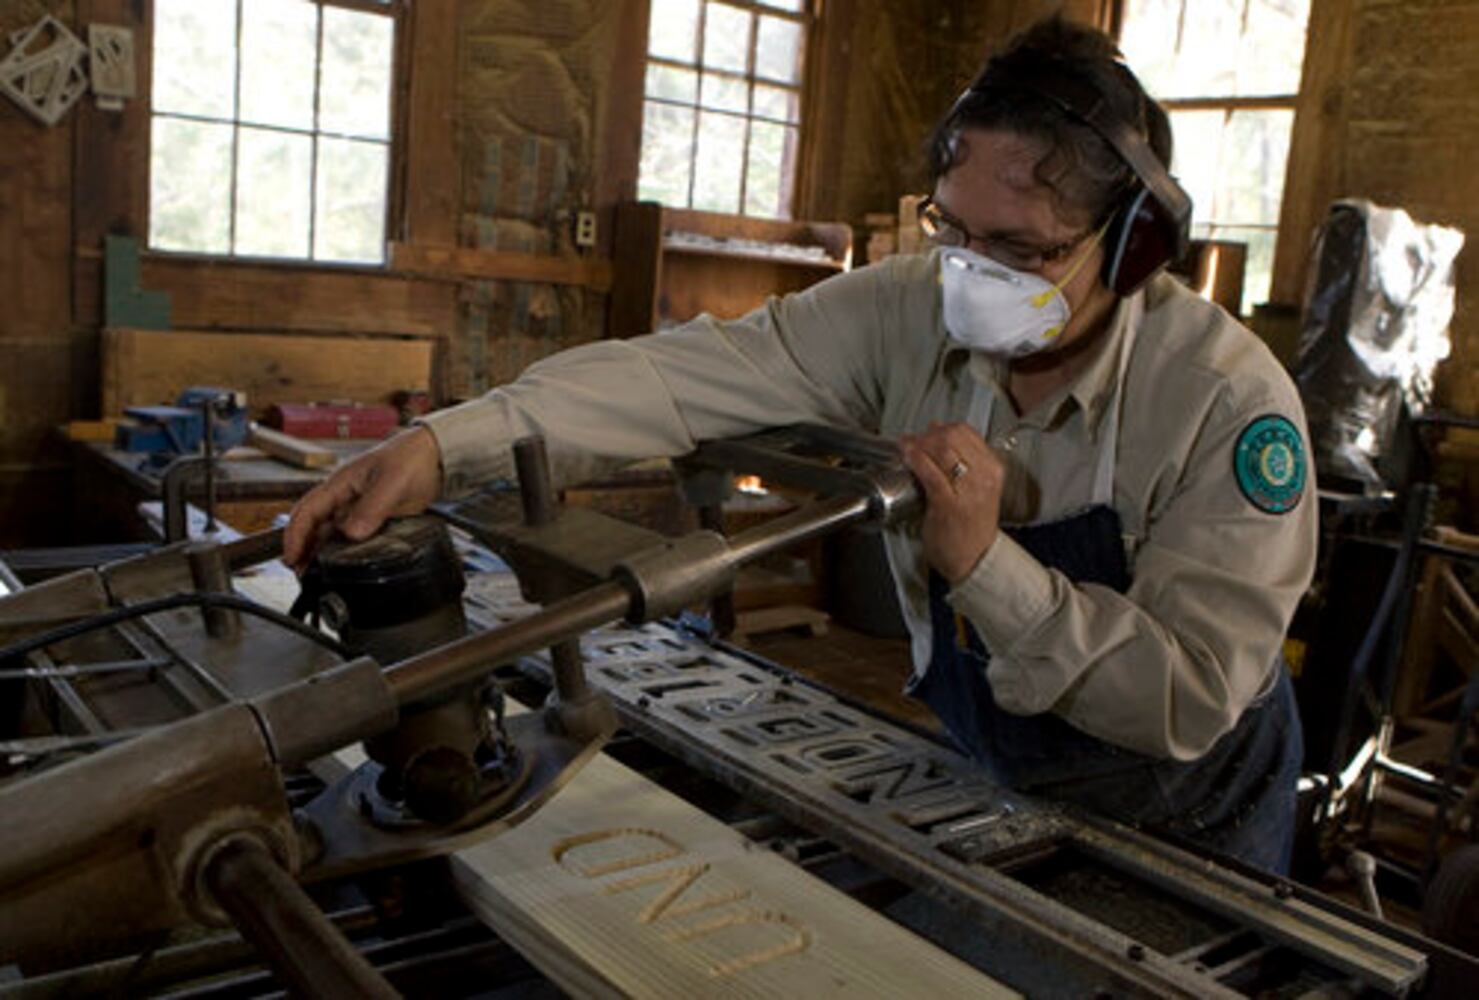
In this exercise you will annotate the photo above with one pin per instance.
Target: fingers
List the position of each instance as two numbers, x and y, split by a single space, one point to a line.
380 497
311 515
399 476
927 470
955 451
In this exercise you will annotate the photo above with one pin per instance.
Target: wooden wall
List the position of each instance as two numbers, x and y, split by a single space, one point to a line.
41 349
883 72
563 73
516 115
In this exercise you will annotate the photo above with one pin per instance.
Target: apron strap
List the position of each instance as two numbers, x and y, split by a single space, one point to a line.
983 401
1110 438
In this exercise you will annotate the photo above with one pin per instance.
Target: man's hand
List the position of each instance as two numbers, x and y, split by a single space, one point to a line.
401 475
962 479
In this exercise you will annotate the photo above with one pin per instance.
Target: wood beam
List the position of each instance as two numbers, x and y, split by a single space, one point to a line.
432 188
453 263
1315 175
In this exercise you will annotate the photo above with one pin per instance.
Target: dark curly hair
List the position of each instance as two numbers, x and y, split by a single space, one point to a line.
1082 169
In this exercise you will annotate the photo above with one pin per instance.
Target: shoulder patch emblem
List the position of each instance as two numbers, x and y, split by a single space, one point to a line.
1269 462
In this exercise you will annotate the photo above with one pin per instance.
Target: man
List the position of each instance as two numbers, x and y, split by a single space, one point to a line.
1114 540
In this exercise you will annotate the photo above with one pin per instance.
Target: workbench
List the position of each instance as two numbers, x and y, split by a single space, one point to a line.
251 488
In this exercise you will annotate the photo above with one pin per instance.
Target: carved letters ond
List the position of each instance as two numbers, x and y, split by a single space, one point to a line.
679 880
800 939
669 849
669 904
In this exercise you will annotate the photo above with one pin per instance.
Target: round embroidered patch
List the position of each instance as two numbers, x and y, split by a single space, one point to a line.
1270 464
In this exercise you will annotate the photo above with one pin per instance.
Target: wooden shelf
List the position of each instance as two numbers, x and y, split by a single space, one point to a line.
674 264
741 253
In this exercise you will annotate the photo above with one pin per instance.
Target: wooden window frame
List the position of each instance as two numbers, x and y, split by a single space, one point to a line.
393 224
1114 19
807 18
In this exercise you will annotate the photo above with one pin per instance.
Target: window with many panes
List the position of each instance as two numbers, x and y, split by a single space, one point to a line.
270 131
1228 73
723 104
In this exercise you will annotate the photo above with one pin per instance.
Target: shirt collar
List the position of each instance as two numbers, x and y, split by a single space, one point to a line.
1092 389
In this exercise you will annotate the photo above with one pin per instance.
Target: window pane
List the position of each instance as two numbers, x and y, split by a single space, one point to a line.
1257 277
672 31
190 186
721 151
777 102
778 50
1272 53
1216 48
769 170
727 38
279 40
195 57
349 219
725 93
1196 152
792 5
667 154
1250 182
272 192
354 81
671 83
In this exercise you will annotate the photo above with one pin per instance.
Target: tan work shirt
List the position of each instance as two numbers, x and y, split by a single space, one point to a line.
1165 668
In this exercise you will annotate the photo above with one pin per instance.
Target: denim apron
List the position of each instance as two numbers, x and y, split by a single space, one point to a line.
1238 798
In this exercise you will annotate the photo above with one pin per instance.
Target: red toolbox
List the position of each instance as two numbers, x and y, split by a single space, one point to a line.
334 420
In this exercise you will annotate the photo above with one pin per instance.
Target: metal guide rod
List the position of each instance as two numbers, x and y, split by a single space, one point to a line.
272 911
447 666
537 491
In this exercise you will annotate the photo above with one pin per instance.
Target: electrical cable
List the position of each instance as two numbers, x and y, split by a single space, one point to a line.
232 601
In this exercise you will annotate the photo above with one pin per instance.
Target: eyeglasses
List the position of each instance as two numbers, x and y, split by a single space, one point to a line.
943 229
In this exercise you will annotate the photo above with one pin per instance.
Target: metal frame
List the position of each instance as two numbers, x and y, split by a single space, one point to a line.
926 815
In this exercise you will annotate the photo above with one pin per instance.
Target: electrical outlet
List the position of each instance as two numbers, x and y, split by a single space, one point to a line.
585 229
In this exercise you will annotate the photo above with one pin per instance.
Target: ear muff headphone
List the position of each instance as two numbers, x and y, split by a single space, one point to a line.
1152 225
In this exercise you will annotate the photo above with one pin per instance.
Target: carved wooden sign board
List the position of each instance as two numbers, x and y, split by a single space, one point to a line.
617 887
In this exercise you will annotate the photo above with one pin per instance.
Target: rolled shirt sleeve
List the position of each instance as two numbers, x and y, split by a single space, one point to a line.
805 357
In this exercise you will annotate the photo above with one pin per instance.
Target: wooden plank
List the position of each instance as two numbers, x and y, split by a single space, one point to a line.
616 887
35 396
834 237
723 286
1315 174
92 430
36 218
111 153
239 295
143 367
450 263
619 102
824 108
293 450
433 176
638 274
782 618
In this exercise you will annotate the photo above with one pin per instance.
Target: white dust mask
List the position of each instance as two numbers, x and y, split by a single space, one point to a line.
995 309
